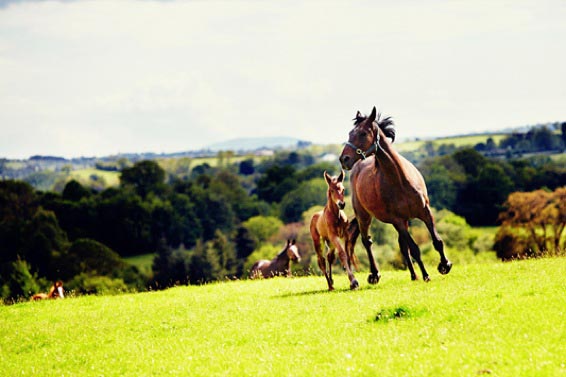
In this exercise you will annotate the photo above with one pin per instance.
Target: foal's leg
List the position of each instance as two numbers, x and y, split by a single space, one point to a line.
445 265
320 259
353 232
345 262
330 257
414 248
404 247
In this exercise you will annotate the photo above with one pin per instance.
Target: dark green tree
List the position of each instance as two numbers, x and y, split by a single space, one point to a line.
144 177
92 257
276 182
74 191
308 194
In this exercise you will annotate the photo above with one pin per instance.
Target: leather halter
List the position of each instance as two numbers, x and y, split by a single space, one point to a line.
370 150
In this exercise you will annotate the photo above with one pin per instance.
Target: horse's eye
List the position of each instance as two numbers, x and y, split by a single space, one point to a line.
363 134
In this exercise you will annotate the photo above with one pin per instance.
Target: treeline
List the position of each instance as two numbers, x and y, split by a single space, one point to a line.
206 223
193 223
476 187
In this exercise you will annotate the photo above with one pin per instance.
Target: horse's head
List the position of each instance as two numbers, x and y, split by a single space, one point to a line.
364 137
57 290
293 251
336 189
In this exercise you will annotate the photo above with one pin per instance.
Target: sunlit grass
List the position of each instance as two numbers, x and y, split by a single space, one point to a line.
499 319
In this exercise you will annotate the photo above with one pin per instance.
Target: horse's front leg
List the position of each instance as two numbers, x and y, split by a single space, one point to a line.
344 259
364 221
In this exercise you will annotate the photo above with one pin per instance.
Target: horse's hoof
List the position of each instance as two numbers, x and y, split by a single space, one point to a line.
426 279
354 284
373 279
330 288
444 268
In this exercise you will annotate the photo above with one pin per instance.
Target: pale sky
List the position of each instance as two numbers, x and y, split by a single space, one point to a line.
95 78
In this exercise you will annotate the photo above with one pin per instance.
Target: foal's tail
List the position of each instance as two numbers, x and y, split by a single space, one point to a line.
353 234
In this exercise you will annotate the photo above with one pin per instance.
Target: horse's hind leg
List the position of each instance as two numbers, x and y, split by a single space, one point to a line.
404 247
445 265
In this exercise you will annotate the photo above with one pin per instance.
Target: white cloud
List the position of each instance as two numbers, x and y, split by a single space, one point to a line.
101 77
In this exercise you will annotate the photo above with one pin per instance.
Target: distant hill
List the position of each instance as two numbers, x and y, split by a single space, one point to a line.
255 143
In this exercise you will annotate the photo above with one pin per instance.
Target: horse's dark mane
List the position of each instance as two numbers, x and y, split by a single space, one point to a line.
386 124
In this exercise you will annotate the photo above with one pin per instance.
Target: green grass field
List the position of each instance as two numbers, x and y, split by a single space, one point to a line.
142 262
458 141
504 319
111 178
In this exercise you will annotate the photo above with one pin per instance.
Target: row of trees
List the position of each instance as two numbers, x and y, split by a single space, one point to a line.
207 223
476 187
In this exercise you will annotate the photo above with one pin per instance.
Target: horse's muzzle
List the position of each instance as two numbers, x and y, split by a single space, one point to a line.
346 162
341 205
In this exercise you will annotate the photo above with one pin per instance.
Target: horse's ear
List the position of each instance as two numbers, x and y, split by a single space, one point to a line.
293 242
373 115
341 176
327 177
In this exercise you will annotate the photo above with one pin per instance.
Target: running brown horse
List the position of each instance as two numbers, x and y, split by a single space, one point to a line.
278 266
328 227
388 187
56 291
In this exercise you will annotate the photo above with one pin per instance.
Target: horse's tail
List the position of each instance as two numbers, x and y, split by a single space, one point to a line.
353 234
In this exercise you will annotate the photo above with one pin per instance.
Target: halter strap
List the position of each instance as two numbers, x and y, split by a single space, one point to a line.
370 150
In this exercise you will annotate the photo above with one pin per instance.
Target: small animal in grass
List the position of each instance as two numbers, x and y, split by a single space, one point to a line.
328 227
278 266
56 291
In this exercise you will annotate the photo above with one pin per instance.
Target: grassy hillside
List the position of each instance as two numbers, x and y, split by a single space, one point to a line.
110 178
498 319
458 141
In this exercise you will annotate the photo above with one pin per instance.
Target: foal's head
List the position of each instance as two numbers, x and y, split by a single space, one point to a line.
364 137
293 251
336 189
57 290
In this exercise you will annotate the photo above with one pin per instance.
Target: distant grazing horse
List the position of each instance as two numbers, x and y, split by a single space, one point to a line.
278 266
56 291
328 227
388 187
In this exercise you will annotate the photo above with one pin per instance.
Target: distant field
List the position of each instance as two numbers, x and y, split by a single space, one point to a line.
500 319
142 262
111 178
169 163
458 141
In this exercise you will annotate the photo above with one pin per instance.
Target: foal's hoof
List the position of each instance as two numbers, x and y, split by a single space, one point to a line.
354 284
374 279
444 268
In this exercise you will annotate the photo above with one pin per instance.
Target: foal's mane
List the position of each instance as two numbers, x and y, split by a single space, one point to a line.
386 124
